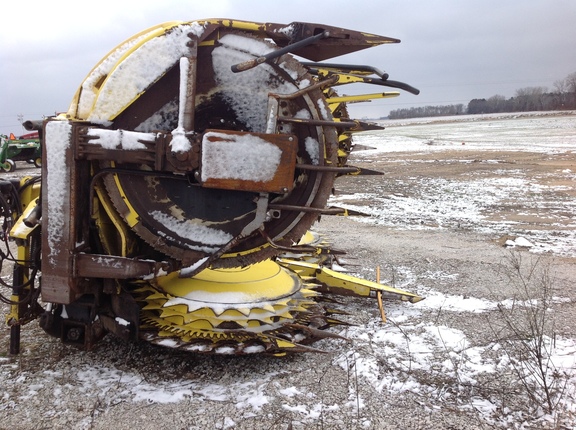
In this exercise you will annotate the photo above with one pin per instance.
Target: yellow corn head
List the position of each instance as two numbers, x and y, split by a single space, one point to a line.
177 191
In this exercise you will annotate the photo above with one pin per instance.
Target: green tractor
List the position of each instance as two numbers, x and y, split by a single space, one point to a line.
24 148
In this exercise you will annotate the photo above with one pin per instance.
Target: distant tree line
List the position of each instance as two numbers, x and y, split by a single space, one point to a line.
525 99
426 111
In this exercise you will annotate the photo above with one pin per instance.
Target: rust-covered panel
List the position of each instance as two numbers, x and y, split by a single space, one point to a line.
248 161
62 219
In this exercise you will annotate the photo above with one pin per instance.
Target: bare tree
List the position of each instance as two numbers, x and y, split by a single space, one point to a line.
530 98
571 83
561 86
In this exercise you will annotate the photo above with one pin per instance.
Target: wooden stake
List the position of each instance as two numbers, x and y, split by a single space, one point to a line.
379 296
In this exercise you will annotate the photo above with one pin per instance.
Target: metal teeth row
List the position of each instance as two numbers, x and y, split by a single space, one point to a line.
270 346
272 328
256 316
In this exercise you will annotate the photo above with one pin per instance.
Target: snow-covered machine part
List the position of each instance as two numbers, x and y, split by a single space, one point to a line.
177 191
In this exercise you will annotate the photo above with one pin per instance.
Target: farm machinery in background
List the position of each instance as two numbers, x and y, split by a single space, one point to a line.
24 148
177 193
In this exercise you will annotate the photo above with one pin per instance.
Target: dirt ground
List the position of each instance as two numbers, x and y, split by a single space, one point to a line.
46 386
405 172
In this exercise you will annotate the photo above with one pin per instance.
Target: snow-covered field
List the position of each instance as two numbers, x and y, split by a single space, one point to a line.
474 199
539 132
444 362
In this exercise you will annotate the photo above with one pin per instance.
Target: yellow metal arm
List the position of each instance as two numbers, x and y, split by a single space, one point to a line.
361 97
340 283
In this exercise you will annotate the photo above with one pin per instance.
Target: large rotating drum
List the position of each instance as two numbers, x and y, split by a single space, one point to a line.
249 146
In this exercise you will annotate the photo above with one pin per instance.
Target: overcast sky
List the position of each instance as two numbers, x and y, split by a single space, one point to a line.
452 50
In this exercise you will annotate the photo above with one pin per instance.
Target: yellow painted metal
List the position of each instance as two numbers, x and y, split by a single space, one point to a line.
29 199
120 227
132 217
14 315
308 238
264 281
137 43
240 25
361 98
342 78
336 281
208 314
21 230
127 48
250 304
28 193
132 43
246 252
